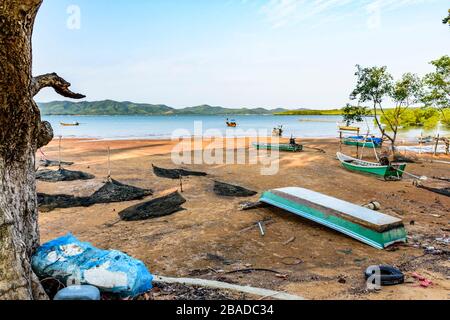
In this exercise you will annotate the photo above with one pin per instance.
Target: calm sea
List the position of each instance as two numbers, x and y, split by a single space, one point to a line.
164 127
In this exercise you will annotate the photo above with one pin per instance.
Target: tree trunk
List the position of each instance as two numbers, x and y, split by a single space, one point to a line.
21 134
20 125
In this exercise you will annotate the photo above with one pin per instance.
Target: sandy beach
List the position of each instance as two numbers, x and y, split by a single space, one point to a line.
213 237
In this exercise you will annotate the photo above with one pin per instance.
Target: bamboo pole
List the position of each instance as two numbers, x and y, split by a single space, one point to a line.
437 144
59 153
109 164
227 286
181 183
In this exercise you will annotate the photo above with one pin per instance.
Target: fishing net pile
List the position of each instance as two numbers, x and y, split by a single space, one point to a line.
112 191
228 190
115 191
176 173
62 175
52 163
437 185
154 209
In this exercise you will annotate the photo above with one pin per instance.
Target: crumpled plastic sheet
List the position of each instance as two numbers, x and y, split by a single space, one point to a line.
74 262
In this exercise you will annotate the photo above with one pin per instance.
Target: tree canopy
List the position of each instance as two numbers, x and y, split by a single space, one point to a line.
447 19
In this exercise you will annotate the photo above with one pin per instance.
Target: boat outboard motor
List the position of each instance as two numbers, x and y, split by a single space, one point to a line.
292 141
384 161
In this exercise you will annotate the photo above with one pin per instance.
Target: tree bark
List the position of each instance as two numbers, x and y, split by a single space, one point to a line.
21 133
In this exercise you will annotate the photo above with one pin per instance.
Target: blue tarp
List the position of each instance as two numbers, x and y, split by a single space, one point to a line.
73 262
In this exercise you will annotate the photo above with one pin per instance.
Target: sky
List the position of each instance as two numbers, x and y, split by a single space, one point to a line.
233 53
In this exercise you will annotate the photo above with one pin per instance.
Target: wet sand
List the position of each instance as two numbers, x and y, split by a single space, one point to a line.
212 236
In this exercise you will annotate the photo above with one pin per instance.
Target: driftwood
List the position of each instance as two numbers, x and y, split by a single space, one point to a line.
228 190
442 179
250 270
244 206
442 191
52 163
62 175
112 191
405 159
176 173
156 208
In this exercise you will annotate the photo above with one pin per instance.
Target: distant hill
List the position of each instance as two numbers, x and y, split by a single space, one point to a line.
110 107
309 112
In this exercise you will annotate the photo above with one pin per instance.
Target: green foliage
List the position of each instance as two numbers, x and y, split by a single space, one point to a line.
445 118
407 91
353 114
109 107
438 84
308 112
447 19
373 84
412 117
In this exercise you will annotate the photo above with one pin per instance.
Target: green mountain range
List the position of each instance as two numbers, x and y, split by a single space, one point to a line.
110 107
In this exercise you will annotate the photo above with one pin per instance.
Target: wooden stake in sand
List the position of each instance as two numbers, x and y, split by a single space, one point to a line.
59 153
181 183
437 144
261 229
109 164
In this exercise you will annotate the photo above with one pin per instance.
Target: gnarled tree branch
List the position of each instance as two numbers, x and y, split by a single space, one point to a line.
60 85
45 134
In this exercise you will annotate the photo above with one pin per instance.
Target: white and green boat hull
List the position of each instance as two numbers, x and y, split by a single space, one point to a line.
371 227
279 147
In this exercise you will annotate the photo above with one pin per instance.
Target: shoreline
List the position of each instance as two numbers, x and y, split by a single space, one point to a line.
213 234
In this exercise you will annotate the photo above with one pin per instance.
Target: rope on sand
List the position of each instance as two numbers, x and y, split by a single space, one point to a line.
227 286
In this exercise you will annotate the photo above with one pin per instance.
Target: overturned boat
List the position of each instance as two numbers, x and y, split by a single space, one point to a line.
391 171
371 227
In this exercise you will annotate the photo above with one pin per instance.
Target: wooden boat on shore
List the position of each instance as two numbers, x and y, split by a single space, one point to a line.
280 147
73 124
362 142
371 227
388 172
429 139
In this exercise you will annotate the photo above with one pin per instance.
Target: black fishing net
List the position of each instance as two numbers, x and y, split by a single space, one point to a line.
176 173
51 163
155 208
112 191
228 190
62 175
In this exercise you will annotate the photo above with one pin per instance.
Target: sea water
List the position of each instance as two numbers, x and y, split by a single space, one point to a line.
164 127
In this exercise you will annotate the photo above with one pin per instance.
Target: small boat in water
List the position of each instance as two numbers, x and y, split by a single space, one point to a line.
73 124
363 142
391 171
231 124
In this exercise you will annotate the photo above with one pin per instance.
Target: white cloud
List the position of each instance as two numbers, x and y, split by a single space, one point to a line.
280 13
